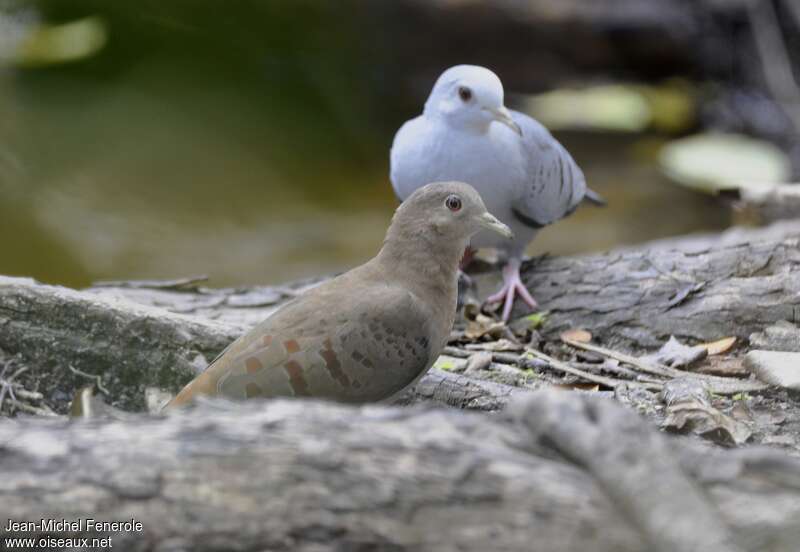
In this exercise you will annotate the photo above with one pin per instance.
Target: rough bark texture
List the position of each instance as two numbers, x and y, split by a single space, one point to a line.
71 336
694 290
561 470
558 472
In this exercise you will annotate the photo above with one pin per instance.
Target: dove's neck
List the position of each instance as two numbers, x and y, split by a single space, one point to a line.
455 120
417 254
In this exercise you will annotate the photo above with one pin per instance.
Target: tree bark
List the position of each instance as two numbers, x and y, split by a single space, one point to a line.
73 338
557 472
697 289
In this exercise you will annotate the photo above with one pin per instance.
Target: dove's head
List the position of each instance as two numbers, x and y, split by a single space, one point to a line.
443 213
469 97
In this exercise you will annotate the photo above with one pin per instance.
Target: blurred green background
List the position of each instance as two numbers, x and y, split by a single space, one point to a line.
249 141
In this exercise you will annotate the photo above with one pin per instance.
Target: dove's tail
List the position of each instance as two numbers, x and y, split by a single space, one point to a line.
594 198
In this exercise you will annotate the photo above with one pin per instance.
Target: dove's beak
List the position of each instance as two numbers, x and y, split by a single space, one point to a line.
488 221
502 116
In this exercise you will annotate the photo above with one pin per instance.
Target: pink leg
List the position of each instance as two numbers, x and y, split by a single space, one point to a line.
512 284
469 254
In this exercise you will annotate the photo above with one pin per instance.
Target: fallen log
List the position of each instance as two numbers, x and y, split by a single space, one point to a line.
696 290
557 472
75 338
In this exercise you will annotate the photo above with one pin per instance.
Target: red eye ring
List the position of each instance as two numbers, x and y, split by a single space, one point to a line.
453 202
464 93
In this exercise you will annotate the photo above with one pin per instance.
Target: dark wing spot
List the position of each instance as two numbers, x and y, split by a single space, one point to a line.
253 365
296 378
333 365
291 346
357 356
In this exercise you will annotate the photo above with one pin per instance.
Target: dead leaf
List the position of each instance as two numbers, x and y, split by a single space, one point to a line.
576 334
720 346
708 422
689 410
483 325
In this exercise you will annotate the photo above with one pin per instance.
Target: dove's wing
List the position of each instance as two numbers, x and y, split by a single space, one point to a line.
369 349
555 185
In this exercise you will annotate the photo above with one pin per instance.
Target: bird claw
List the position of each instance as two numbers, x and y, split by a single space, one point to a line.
512 285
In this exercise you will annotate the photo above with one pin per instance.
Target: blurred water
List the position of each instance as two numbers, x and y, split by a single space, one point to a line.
160 163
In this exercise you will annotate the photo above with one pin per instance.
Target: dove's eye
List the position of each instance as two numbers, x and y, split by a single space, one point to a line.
464 93
453 202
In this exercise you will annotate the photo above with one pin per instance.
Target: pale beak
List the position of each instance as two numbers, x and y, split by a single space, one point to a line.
488 221
502 115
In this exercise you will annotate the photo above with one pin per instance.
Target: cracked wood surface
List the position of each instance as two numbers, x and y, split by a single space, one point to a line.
695 289
557 471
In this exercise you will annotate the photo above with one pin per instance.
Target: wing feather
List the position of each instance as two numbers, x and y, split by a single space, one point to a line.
355 354
556 184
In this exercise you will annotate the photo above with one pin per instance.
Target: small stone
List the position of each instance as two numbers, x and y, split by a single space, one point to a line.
781 336
775 368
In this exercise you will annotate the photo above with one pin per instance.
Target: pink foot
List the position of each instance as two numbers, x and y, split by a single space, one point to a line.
512 284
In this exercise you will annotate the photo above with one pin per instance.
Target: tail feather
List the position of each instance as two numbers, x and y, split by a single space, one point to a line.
594 198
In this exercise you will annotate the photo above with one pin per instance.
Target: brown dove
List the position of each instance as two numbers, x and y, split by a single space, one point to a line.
373 331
